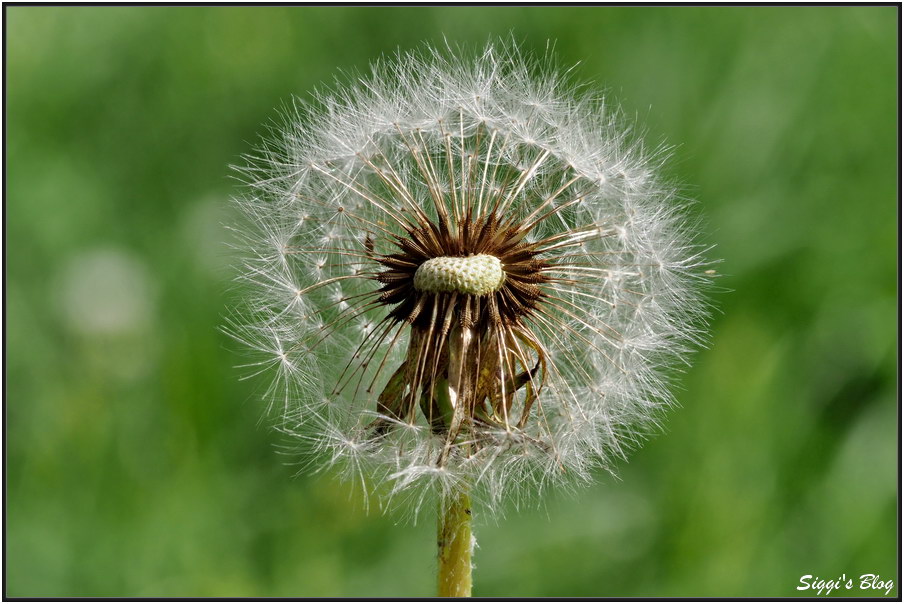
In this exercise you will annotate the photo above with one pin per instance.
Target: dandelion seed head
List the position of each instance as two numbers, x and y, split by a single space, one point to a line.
465 274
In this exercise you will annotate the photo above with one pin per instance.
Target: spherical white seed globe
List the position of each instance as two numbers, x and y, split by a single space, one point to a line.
465 274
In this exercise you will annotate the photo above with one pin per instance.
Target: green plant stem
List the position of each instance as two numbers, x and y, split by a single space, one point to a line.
454 541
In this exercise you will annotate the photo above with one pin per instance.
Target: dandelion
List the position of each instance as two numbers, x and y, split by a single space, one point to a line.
468 280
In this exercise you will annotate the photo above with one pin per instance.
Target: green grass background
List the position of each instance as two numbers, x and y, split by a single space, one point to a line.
138 464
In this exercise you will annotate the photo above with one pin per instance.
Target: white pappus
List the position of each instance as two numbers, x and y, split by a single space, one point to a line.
465 274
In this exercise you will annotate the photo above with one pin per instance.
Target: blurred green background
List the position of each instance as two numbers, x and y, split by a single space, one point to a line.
138 464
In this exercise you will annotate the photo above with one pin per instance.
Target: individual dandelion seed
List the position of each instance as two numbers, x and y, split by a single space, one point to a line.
469 282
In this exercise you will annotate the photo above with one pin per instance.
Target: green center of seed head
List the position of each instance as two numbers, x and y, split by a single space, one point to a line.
475 275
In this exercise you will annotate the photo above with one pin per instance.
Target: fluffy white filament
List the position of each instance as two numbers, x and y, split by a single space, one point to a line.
339 177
